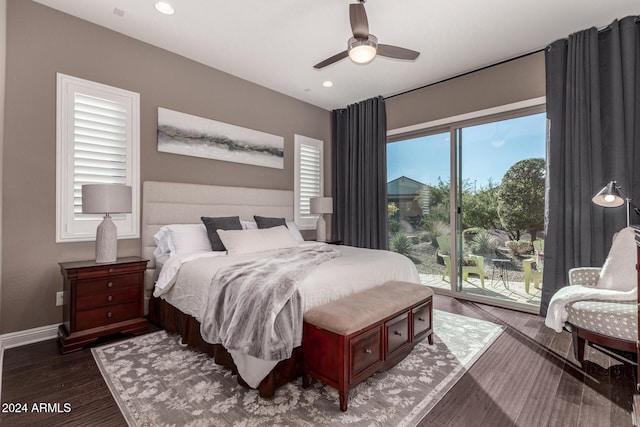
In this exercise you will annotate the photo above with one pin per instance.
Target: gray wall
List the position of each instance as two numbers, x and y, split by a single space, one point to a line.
3 62
506 83
41 42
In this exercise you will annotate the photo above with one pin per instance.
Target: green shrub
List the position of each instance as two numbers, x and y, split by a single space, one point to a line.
435 229
469 233
394 225
483 242
519 247
401 244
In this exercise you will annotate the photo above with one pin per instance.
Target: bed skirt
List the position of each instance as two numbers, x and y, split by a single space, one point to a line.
175 321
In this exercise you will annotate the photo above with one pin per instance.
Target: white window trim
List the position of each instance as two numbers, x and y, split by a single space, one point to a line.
306 221
69 229
533 102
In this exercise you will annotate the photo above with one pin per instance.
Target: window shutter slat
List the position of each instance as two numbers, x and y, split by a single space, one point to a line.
309 176
100 144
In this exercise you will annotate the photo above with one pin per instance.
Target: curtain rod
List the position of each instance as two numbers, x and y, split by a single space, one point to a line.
464 74
606 28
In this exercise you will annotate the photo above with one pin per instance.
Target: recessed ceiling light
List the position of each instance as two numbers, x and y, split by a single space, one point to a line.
165 7
327 83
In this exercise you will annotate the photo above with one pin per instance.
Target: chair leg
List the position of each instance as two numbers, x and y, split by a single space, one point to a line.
578 345
536 282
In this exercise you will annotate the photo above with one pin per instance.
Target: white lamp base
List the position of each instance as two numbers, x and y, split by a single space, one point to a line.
321 229
106 241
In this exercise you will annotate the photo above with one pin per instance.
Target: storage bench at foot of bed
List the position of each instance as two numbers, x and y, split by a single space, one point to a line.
348 340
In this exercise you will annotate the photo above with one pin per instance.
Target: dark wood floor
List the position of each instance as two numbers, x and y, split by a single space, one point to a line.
528 377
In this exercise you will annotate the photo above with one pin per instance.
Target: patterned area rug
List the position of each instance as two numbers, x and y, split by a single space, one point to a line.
158 382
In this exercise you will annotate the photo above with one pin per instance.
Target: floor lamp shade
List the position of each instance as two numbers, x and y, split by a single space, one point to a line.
106 199
611 196
321 206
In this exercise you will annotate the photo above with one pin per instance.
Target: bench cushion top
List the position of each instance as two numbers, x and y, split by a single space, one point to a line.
354 312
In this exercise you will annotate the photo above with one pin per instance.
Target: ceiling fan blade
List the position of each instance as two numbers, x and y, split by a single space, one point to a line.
359 23
335 58
396 52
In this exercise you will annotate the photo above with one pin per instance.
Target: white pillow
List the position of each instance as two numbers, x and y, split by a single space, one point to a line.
161 239
249 225
619 269
293 229
258 240
180 239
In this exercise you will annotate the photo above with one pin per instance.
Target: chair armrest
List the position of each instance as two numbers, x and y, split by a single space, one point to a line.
585 276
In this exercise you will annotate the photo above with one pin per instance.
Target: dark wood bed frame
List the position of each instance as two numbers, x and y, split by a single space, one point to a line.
175 321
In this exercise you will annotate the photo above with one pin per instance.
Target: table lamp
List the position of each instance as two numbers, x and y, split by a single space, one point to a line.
321 206
106 199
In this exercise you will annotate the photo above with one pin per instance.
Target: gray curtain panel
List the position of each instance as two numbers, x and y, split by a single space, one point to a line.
359 172
593 113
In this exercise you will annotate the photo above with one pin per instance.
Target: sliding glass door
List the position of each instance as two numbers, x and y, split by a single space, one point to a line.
480 234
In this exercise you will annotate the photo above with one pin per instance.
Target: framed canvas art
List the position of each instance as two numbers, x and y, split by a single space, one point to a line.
189 135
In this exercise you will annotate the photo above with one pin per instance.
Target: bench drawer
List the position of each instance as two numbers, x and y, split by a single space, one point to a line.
365 351
397 332
422 319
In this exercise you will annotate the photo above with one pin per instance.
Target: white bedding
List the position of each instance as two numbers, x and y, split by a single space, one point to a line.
184 283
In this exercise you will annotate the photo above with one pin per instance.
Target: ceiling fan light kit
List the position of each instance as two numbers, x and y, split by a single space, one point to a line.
363 51
363 46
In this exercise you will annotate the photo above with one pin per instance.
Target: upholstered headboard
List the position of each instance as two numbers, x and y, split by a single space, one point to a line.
177 203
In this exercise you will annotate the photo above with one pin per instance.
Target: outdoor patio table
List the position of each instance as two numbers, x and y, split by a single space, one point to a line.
500 264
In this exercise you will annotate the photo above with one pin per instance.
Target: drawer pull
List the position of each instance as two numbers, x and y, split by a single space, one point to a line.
110 285
111 270
367 350
397 333
110 298
109 315
421 319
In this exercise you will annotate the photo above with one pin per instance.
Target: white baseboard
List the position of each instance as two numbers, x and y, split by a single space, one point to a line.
29 336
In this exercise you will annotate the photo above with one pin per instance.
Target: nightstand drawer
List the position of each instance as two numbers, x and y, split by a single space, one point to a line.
106 284
116 296
106 315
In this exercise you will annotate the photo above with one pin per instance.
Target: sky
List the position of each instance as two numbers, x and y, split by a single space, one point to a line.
488 151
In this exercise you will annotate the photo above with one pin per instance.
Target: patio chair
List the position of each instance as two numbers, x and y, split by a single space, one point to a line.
444 246
533 266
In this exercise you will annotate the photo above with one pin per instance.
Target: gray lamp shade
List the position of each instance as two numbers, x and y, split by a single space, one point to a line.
321 205
610 196
106 198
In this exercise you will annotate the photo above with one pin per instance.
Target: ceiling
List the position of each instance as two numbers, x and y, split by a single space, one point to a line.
275 43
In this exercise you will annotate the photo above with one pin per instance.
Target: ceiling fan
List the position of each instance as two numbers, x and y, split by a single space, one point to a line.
363 46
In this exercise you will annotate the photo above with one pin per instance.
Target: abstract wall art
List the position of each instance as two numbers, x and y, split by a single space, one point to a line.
189 135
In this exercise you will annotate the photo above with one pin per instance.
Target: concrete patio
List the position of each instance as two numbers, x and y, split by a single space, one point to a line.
493 288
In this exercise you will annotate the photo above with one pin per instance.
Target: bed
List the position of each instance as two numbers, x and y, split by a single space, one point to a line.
178 305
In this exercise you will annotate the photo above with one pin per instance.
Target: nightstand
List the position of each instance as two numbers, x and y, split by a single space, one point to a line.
101 299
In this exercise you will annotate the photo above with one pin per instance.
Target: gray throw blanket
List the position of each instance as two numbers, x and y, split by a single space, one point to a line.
254 306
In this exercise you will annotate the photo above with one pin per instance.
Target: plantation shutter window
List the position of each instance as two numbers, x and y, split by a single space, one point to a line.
308 179
97 143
